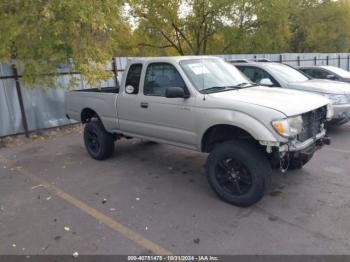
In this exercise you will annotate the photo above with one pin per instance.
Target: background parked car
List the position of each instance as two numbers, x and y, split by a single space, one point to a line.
281 75
327 72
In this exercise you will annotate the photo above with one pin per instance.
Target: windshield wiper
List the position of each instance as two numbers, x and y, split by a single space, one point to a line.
227 88
218 89
245 85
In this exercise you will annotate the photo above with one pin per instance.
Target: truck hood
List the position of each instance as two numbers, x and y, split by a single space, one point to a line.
321 86
288 102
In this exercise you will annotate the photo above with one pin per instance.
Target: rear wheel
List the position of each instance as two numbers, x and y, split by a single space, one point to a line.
98 142
238 172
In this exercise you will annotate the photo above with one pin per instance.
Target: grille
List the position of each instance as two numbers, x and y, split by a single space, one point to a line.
312 123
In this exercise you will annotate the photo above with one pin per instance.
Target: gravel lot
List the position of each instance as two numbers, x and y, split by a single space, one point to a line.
152 198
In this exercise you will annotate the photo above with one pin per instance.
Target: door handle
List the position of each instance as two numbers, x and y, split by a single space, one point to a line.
144 105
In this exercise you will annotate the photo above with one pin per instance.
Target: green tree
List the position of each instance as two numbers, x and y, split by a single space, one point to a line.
271 26
50 33
184 26
236 35
212 27
87 33
321 26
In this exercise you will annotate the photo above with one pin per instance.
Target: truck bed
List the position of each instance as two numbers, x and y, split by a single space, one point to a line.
102 101
114 90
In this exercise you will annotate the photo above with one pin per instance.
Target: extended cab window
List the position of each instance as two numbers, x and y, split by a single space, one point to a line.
133 77
159 76
257 74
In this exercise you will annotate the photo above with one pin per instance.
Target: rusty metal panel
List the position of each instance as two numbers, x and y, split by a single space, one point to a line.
10 114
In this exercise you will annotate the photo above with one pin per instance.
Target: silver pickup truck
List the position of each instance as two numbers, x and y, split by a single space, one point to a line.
207 105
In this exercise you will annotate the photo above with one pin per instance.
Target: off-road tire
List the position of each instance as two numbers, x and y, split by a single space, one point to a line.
98 142
255 162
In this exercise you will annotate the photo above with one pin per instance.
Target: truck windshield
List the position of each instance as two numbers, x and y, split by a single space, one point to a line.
286 72
214 75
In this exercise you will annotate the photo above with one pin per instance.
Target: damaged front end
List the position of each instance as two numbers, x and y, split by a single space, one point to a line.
300 148
295 157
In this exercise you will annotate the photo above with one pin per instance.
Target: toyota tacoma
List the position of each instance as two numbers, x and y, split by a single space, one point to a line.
207 105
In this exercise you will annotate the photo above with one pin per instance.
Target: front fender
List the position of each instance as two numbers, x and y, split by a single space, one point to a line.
251 125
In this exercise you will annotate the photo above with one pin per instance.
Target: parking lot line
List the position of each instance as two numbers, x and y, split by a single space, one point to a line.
338 150
106 220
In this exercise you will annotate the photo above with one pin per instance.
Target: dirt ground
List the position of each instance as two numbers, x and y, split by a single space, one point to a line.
153 198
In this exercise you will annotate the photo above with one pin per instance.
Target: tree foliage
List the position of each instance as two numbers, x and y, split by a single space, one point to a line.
50 33
241 26
87 33
185 26
321 26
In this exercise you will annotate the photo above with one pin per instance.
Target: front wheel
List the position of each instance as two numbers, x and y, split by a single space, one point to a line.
98 142
238 172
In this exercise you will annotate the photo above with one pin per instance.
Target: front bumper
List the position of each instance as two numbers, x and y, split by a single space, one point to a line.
301 152
293 146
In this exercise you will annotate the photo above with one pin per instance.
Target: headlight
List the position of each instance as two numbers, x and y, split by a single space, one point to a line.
337 99
289 127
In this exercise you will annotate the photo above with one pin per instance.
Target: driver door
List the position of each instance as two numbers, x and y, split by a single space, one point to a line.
171 119
149 113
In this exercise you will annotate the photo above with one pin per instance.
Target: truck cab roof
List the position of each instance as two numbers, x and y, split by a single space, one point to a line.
168 59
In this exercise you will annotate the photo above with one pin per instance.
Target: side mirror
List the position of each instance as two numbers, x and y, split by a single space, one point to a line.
129 89
266 82
175 92
331 77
